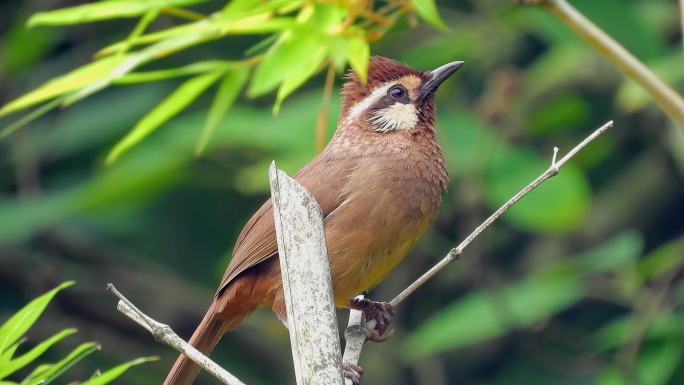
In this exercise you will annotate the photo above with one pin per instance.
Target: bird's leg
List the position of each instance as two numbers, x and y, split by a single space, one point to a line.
352 372
381 312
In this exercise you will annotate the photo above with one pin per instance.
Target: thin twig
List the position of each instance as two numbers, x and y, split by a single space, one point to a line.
355 340
553 169
664 96
681 19
164 334
322 123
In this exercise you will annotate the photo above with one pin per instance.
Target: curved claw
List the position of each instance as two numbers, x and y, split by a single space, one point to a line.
381 312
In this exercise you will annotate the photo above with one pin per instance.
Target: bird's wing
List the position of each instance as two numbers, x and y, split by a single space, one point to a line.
324 177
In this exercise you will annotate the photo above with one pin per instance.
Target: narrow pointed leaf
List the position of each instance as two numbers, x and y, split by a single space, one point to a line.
102 10
113 373
190 69
227 92
427 10
308 68
34 353
169 107
46 374
74 80
21 321
358 53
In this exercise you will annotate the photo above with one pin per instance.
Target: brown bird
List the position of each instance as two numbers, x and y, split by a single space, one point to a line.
379 183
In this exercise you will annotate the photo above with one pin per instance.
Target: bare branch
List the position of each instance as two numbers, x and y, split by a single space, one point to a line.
355 339
164 334
355 336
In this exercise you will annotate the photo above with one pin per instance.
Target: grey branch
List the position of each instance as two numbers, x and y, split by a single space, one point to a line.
355 336
164 334
307 287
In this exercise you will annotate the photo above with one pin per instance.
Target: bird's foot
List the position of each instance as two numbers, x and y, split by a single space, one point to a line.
352 372
381 312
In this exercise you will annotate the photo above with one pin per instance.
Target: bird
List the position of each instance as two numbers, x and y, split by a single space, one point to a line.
379 183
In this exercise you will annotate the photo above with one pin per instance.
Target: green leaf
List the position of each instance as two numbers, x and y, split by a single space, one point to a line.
21 321
428 11
284 59
75 79
34 353
208 29
45 374
665 326
657 363
491 313
102 10
358 53
113 373
169 107
227 92
557 206
307 68
190 69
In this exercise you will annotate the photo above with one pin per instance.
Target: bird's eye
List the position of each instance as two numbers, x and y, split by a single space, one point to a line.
397 92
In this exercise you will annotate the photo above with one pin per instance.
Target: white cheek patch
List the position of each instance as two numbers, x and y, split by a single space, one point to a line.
398 116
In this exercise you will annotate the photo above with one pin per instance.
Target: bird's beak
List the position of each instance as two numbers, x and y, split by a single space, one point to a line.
438 76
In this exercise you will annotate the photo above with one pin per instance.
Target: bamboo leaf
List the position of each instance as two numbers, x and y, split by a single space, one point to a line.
172 105
358 53
102 10
491 313
191 69
21 321
308 68
282 60
45 374
113 373
427 10
74 80
226 94
34 353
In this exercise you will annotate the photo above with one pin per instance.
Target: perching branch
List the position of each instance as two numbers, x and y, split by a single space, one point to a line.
164 334
355 336
357 332
664 96
307 287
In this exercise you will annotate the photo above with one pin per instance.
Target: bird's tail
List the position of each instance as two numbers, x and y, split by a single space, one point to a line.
204 339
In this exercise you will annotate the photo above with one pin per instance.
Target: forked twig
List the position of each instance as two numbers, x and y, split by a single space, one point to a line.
357 332
164 334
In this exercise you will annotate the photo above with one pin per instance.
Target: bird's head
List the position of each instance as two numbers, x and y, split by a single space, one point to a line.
394 97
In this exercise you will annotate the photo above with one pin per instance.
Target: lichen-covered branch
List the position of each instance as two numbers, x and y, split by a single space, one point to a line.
164 334
305 271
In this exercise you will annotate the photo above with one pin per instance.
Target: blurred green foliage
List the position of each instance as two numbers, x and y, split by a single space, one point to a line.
580 283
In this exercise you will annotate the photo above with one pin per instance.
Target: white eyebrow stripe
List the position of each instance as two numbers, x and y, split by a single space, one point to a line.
369 100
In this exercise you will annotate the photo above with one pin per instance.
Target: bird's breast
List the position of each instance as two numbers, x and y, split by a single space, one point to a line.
388 202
